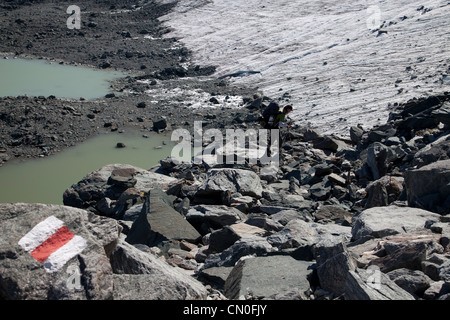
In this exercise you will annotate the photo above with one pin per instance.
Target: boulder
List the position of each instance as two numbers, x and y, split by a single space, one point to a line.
429 187
159 222
435 290
245 182
123 177
414 107
73 271
413 281
381 133
383 221
264 222
327 143
442 114
356 134
301 234
140 275
339 275
160 125
400 250
284 216
444 271
418 121
214 216
256 246
371 284
337 179
333 267
215 276
431 266
435 151
383 191
110 182
311 134
409 255
141 105
323 142
259 278
245 230
321 190
380 159
222 239
334 213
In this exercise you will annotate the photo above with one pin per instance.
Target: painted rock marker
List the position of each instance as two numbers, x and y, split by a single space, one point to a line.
52 243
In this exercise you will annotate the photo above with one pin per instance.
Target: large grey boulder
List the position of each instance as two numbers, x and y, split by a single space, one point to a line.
339 275
255 246
442 114
222 239
159 221
380 159
215 276
408 255
139 275
215 216
86 275
108 183
366 284
444 271
435 151
383 191
267 277
298 233
429 187
379 222
160 125
333 213
403 250
245 182
413 281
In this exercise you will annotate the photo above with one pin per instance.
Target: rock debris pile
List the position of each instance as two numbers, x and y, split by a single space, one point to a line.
364 217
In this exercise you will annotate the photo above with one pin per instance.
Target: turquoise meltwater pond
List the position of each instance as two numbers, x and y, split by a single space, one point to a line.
45 180
42 78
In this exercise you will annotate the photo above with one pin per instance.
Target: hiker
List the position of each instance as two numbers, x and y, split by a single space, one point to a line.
280 119
274 118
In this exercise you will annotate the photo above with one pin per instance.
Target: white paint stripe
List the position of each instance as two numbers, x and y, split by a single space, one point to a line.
40 233
59 258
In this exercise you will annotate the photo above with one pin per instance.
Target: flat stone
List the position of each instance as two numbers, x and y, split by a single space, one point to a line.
263 277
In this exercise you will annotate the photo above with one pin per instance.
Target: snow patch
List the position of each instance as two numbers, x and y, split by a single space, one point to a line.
325 58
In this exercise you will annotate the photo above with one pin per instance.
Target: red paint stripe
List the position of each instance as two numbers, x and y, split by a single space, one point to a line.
53 243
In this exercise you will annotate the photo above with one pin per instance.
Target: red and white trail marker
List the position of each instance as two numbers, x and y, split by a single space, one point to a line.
51 243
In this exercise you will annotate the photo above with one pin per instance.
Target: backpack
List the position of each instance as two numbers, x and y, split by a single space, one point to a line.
270 111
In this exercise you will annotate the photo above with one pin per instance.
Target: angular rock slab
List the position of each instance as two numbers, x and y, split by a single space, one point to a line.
384 221
339 275
265 277
24 277
429 187
216 215
140 275
110 181
248 246
362 284
435 151
380 158
159 221
245 182
299 233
